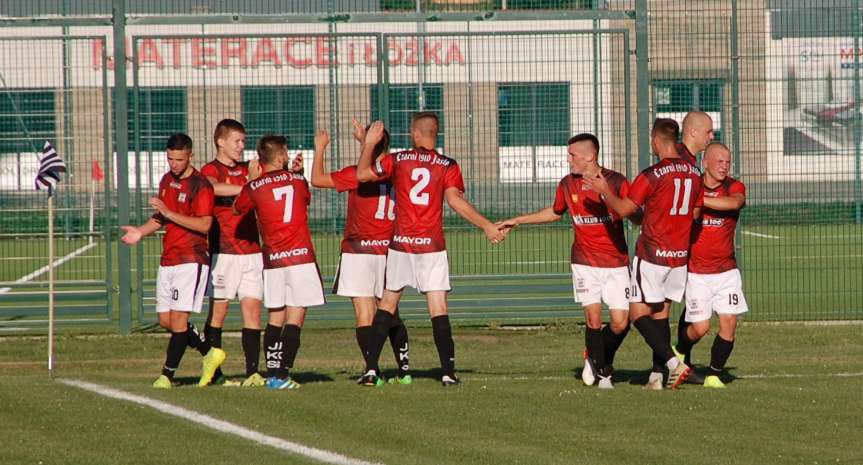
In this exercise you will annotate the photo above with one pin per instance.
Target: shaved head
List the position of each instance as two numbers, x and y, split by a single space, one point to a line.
697 131
716 149
716 162
695 119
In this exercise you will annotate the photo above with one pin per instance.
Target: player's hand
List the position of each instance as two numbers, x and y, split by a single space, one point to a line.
132 236
160 206
506 225
359 130
322 140
597 183
297 164
493 234
375 133
254 169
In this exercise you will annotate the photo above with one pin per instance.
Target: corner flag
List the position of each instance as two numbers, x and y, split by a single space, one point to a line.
50 167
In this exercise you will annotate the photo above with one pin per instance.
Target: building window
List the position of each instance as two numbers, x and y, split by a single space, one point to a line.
673 99
27 120
287 111
404 101
160 112
532 114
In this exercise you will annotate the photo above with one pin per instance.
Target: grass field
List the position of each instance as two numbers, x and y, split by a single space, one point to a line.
794 397
791 272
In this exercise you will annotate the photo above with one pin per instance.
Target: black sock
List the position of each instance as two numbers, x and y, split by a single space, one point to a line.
719 354
684 343
251 340
197 340
665 332
214 336
363 334
595 348
176 348
291 343
401 349
653 337
273 349
442 332
378 335
612 342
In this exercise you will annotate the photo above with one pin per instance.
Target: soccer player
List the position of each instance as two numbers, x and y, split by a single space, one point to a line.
714 283
363 259
599 256
697 132
185 208
237 265
423 179
670 193
292 282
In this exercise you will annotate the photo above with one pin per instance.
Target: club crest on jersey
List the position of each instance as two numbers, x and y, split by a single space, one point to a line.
181 197
574 198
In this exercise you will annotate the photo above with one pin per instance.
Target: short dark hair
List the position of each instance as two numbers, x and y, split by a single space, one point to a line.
224 127
666 128
383 145
583 137
421 115
179 141
269 146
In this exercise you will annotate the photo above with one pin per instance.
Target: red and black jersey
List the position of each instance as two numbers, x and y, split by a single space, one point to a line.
712 249
685 155
420 178
281 202
369 225
231 234
189 196
599 240
668 191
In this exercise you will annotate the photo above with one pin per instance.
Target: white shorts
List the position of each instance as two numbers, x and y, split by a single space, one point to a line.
236 276
593 285
293 286
360 275
181 287
721 293
422 271
653 283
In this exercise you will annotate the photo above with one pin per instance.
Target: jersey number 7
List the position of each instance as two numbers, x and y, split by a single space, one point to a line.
288 193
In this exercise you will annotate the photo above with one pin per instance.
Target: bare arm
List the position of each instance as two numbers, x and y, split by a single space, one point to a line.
365 173
727 203
319 177
136 233
223 189
457 202
199 224
546 215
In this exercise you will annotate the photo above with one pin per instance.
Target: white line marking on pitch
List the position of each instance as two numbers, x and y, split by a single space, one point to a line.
216 424
752 376
45 268
766 236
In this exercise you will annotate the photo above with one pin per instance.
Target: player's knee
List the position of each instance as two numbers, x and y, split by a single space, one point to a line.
618 326
701 329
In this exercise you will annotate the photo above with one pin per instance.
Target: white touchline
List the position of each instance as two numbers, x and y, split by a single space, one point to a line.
767 236
216 424
45 268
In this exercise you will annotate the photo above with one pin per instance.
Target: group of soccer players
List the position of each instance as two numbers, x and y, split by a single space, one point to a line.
259 248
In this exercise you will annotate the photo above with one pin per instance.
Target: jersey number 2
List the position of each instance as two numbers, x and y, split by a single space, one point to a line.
684 204
422 176
288 193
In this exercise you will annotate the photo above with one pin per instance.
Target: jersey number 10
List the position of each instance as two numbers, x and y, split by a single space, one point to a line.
684 204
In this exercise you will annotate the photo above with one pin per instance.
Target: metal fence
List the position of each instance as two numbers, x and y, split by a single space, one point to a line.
511 81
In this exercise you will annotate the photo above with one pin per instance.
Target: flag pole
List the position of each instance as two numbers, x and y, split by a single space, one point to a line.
92 206
50 285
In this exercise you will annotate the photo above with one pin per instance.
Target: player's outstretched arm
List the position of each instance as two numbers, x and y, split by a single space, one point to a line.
623 206
546 215
320 178
133 234
359 131
365 173
223 189
199 224
457 202
727 203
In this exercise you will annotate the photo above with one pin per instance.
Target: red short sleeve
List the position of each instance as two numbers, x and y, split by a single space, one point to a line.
559 206
243 203
699 196
204 199
345 179
452 178
210 171
737 187
624 189
639 190
383 167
